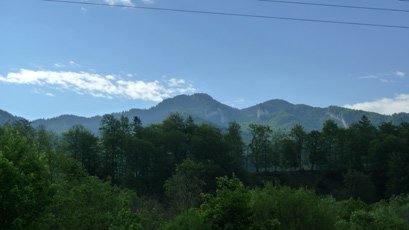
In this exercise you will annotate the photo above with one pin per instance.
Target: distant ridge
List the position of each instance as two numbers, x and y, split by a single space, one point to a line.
6 117
204 109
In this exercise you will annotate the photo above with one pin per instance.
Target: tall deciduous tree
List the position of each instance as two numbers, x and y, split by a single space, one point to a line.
315 149
235 147
25 180
184 187
360 136
330 132
229 209
298 135
260 146
82 145
114 132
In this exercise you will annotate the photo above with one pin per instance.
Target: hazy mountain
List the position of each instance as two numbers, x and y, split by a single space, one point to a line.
65 122
200 106
7 117
204 109
282 114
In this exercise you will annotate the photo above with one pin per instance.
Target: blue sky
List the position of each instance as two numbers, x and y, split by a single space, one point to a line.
58 58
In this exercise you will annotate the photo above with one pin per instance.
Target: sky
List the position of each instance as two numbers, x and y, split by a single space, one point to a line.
61 58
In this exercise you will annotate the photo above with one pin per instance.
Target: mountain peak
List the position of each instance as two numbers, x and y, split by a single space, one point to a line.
203 108
7 117
271 106
180 101
277 102
203 96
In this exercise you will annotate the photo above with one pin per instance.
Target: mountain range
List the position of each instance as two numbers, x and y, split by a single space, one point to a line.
204 109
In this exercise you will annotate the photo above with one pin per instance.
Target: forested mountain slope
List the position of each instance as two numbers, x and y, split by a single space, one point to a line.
204 109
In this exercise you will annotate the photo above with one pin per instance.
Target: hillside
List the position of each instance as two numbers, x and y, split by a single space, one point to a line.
7 117
204 109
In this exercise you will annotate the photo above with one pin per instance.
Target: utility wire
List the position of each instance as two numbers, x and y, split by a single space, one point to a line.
336 5
232 14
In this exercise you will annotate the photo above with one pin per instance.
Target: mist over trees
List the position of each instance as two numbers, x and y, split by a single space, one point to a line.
182 175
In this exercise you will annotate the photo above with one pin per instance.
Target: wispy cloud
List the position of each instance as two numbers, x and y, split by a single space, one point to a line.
97 85
42 92
239 103
385 77
380 78
176 82
148 1
59 65
74 64
388 106
127 2
400 73
68 64
120 2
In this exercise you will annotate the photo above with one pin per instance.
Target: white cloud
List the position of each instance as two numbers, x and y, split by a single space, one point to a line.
239 103
74 64
110 77
176 82
98 85
385 77
381 78
120 2
369 77
59 65
42 92
70 63
148 1
400 73
240 100
387 106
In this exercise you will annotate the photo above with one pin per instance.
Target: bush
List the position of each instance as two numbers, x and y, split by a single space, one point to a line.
286 208
187 220
229 208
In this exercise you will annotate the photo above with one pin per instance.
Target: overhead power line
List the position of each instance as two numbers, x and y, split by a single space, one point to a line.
338 6
231 14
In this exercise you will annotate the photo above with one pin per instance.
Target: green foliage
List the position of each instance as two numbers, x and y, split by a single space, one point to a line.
289 155
347 207
286 208
184 187
359 185
46 183
260 147
24 177
235 147
314 147
89 203
126 220
151 212
229 208
376 220
299 137
187 220
398 172
82 145
114 133
391 214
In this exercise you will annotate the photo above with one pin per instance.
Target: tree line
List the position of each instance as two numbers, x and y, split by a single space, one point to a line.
183 175
371 159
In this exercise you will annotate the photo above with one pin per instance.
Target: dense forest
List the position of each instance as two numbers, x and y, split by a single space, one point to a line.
182 175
